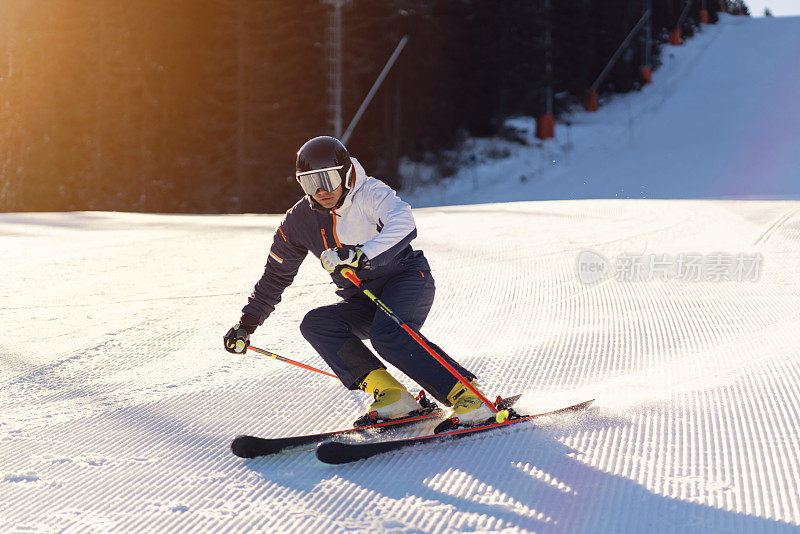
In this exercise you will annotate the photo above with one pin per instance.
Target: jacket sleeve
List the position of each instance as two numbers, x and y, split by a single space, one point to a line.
285 257
395 222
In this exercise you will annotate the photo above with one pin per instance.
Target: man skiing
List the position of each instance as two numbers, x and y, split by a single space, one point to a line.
350 220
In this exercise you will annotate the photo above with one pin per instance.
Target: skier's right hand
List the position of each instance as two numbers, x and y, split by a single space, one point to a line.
335 259
238 338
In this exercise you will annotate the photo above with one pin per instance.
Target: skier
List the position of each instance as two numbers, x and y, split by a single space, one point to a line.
350 220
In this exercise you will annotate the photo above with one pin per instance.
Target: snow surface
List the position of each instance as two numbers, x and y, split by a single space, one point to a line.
118 402
721 120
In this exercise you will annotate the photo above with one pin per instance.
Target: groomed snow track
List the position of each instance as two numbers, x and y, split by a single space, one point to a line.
117 401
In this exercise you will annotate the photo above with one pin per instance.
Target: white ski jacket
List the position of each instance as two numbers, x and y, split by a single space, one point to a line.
371 216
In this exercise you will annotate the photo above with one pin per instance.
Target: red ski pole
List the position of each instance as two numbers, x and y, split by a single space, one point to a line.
502 415
287 360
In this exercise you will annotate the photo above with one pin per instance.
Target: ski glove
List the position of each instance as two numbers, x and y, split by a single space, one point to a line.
238 338
335 259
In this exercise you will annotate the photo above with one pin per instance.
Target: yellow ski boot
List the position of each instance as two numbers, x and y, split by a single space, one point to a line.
468 409
392 400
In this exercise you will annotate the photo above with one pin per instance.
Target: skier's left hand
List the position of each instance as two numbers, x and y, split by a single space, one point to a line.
335 259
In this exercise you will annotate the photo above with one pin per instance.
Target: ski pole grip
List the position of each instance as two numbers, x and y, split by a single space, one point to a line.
350 274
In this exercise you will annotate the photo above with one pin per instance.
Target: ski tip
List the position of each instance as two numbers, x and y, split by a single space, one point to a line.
241 447
576 407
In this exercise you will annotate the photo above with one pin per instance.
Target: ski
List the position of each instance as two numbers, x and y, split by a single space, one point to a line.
337 452
246 446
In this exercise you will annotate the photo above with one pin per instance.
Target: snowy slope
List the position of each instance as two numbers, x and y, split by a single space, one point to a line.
117 401
721 120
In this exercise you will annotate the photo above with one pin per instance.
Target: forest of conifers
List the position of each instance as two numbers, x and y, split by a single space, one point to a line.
201 105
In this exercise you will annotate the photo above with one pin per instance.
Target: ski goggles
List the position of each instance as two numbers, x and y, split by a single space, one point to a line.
328 179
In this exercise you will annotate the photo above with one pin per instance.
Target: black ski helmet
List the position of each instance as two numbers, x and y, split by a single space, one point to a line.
323 153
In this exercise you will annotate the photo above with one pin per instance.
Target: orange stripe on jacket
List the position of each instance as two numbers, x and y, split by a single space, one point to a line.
336 237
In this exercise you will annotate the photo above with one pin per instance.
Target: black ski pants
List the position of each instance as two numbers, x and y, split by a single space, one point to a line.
336 332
